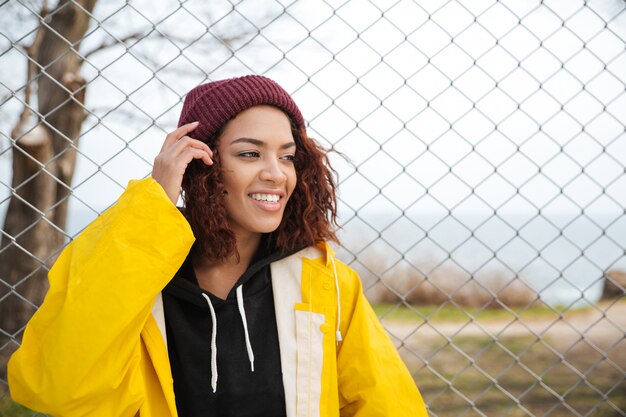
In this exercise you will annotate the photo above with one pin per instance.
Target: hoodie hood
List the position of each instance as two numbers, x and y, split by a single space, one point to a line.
221 348
185 285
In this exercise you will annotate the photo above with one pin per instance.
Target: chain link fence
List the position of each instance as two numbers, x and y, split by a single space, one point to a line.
481 161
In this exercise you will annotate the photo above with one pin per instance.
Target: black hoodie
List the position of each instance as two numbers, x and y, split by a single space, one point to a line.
240 392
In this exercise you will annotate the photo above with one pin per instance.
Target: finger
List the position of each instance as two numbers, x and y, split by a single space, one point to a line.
194 153
175 135
195 143
187 142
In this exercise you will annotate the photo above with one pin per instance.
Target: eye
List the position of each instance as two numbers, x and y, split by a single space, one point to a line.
290 157
249 154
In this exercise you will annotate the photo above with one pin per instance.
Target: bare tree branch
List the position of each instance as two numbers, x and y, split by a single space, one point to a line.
114 42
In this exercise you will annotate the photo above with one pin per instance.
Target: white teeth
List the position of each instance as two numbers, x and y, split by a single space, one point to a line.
270 198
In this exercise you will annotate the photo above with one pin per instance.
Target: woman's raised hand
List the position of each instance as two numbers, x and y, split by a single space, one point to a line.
177 152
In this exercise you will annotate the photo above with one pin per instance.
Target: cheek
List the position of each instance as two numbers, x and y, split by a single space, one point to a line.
292 179
228 186
233 177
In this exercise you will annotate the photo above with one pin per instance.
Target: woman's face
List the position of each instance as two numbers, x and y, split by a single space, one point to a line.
257 151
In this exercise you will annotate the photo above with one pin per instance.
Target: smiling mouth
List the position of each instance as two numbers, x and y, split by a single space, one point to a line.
266 198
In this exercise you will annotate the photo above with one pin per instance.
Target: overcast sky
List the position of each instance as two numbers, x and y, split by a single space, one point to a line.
466 108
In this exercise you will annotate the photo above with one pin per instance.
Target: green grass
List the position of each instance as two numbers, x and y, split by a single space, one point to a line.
10 409
538 381
432 313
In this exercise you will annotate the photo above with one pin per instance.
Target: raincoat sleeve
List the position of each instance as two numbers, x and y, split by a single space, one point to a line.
372 378
81 351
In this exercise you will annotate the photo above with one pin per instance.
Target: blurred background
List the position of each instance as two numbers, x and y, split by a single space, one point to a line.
480 148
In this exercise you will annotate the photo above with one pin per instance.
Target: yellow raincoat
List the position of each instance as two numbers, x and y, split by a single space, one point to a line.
97 345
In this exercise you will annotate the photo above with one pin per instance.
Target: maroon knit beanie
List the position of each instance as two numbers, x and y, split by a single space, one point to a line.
215 103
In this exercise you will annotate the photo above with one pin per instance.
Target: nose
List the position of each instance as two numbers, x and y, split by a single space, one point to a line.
273 171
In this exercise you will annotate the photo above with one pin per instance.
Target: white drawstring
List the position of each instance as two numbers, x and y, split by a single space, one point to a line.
337 332
213 344
244 321
242 313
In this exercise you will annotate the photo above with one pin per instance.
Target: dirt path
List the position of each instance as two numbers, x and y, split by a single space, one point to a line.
602 325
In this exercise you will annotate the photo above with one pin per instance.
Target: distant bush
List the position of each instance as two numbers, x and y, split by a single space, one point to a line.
448 284
404 281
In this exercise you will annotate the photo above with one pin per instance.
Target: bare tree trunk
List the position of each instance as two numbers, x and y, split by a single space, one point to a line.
44 157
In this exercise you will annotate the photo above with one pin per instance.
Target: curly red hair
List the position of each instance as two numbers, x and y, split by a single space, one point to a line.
310 214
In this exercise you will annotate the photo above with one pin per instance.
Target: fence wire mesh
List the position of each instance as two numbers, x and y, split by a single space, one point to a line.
482 160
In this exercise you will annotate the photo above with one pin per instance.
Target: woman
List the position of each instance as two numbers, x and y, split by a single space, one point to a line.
254 318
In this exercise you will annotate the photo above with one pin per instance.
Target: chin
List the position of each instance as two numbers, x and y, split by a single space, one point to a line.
256 224
268 229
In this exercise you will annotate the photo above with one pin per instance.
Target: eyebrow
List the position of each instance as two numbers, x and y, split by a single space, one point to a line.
260 143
